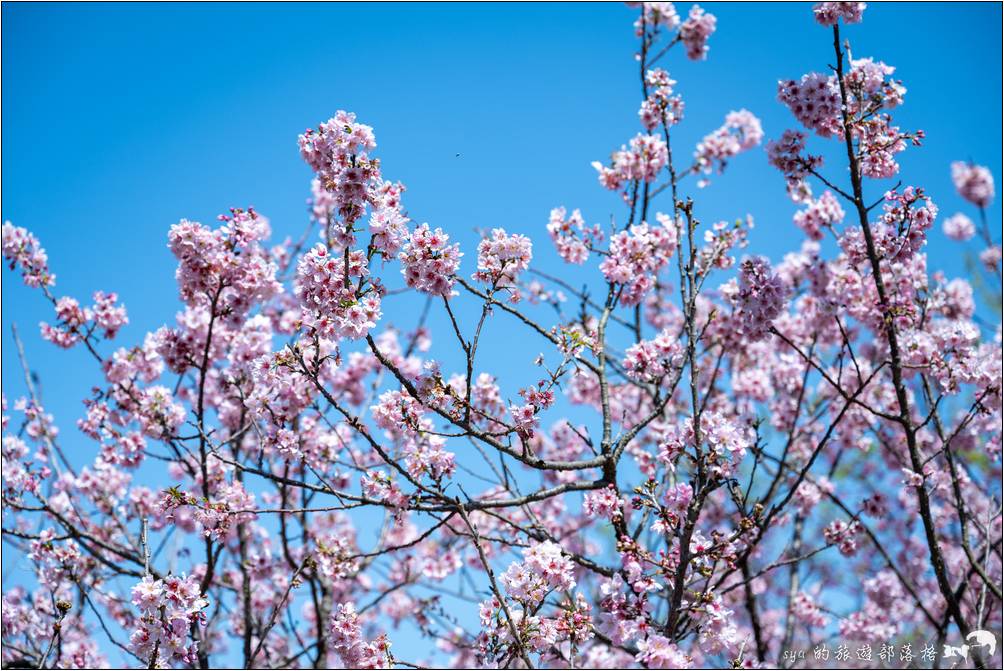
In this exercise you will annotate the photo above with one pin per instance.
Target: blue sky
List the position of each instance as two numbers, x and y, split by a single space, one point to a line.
120 120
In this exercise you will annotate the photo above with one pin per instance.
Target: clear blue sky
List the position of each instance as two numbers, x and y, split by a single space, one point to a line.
120 120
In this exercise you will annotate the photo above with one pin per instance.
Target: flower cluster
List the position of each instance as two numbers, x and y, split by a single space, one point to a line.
379 486
544 568
879 143
870 86
429 263
641 161
224 270
973 182
815 101
658 652
787 154
760 299
637 255
959 227
388 223
907 215
678 498
603 503
22 249
725 435
571 236
356 652
828 13
502 257
159 414
661 106
524 419
169 609
328 287
695 31
338 152
403 418
650 360
991 258
656 15
425 455
107 315
231 505
844 535
75 322
72 319
824 213
740 132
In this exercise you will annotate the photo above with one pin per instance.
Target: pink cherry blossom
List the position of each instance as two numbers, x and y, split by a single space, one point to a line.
502 257
815 101
428 262
331 289
571 236
760 299
22 249
662 106
641 161
819 215
959 227
650 360
740 132
656 14
695 31
637 254
828 13
787 154
973 182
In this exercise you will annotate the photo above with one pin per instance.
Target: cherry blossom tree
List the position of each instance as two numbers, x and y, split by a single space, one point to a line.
720 460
